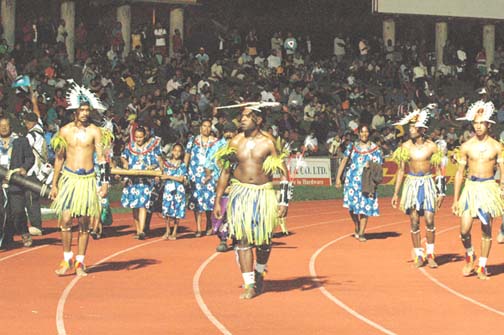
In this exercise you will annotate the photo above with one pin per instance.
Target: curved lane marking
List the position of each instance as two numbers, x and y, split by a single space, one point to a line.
331 297
456 293
197 292
363 318
199 299
60 324
23 252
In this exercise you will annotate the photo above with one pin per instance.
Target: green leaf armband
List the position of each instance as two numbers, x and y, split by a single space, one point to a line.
225 157
58 143
401 155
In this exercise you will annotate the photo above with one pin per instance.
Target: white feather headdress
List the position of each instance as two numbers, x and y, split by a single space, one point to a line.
256 106
419 117
77 95
479 108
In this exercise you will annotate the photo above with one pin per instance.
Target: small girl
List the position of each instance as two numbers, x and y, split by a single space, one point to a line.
174 198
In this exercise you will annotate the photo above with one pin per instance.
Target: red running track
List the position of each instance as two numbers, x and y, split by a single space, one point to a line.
320 281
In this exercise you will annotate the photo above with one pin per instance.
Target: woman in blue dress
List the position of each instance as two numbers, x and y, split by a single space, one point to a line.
202 186
174 197
139 155
360 206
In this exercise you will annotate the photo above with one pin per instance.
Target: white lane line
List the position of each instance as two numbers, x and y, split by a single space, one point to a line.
331 297
363 318
60 323
23 252
196 287
201 302
456 293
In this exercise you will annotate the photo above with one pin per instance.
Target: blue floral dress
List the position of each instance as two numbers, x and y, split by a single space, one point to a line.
211 163
174 197
136 194
352 195
202 195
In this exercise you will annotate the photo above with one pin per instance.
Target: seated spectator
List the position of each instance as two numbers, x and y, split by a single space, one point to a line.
296 98
216 71
202 57
378 121
274 60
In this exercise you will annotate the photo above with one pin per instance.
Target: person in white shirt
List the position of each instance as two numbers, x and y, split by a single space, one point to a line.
267 95
339 48
61 33
160 35
277 43
259 59
273 60
378 121
38 144
202 57
216 71
173 85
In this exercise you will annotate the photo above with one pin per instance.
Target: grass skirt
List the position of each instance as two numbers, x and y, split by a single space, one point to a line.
481 195
78 194
419 193
252 212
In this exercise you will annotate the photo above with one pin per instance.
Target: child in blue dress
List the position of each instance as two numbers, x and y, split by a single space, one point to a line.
174 198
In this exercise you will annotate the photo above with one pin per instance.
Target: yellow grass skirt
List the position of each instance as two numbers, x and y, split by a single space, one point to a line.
419 192
252 212
484 195
77 194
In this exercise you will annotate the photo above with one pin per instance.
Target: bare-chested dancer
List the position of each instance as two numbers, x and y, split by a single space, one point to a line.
74 185
253 209
421 196
481 197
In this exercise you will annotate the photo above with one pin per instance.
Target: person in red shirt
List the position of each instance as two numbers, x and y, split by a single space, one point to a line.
177 43
60 99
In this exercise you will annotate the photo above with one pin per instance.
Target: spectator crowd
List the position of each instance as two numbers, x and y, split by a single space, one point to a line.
323 99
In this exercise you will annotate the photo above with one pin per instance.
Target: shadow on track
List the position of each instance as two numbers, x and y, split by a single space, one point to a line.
448 258
382 236
300 283
133 264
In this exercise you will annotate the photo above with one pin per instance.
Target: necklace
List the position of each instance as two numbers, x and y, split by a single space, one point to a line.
81 134
250 145
481 147
205 146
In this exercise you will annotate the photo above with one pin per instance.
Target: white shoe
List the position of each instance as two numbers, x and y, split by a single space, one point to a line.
500 238
34 231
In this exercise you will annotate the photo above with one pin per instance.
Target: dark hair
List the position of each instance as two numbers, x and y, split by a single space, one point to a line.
362 126
206 120
181 149
141 129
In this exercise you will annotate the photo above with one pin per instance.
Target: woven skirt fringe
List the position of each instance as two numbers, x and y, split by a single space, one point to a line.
252 212
411 190
78 195
484 195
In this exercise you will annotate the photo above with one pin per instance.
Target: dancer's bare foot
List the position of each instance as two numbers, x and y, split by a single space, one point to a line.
431 261
248 293
65 268
482 273
469 265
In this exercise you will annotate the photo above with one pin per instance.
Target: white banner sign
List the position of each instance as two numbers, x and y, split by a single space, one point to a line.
314 172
